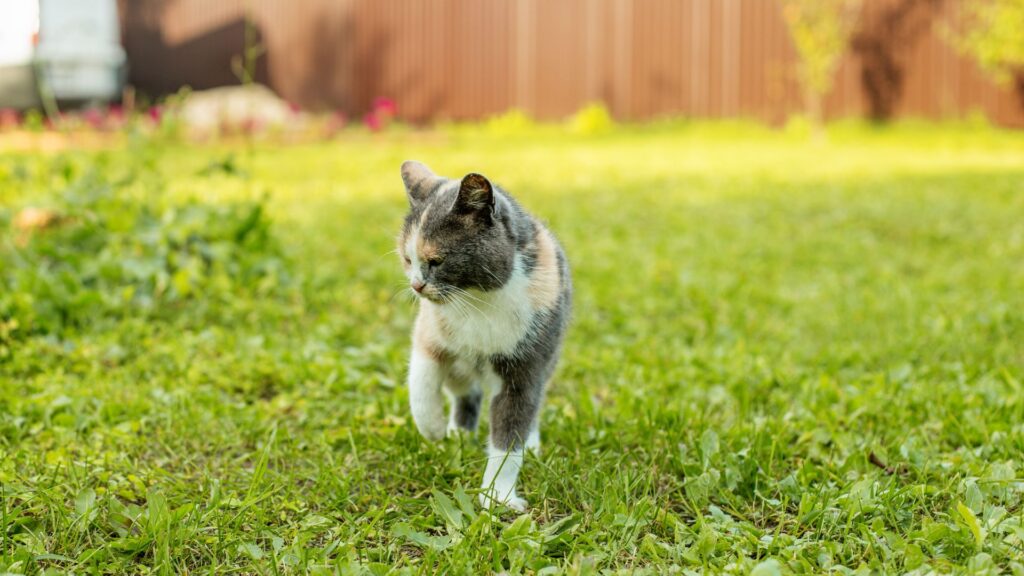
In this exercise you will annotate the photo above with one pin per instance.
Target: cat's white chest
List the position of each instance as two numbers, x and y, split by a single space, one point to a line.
490 323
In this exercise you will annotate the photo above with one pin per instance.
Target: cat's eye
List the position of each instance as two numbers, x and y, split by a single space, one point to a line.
407 259
434 262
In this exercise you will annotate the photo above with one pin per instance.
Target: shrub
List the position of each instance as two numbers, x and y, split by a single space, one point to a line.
821 33
512 123
100 250
592 119
993 34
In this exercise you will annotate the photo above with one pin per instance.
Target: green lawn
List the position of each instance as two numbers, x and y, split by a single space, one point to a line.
799 357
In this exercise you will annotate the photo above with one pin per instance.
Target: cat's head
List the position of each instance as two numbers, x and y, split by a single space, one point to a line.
456 235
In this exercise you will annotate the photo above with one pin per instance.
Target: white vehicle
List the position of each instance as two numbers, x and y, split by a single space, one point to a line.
70 48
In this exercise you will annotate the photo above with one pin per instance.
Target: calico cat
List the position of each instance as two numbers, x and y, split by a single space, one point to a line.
495 295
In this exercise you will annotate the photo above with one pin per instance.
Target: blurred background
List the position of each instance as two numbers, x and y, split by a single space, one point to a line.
460 60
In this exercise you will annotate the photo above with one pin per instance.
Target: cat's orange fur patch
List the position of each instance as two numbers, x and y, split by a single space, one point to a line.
427 334
545 279
427 250
424 248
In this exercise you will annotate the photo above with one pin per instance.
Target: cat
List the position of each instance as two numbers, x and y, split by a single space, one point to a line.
495 296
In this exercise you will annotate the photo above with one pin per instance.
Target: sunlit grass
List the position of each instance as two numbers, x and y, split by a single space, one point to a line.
763 325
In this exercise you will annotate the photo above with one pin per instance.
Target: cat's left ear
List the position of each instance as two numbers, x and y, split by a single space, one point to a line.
476 196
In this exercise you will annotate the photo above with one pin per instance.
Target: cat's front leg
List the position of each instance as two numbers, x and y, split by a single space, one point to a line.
500 478
533 440
426 401
514 410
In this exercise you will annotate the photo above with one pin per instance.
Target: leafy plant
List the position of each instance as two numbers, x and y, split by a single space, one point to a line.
993 34
514 122
244 65
592 119
821 32
103 250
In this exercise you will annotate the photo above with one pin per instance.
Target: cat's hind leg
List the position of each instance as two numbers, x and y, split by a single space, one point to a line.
463 387
465 412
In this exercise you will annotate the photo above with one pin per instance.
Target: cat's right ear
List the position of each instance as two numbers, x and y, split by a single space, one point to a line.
419 181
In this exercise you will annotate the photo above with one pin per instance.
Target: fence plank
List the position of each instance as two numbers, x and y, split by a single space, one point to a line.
465 59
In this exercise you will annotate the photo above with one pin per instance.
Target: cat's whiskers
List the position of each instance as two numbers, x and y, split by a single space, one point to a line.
468 299
514 312
492 274
469 295
404 291
467 305
459 297
458 306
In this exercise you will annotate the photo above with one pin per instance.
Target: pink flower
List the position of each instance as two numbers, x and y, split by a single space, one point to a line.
115 119
295 108
373 121
9 118
380 114
385 106
155 114
93 117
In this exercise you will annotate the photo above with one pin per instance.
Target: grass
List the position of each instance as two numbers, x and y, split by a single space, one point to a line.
786 358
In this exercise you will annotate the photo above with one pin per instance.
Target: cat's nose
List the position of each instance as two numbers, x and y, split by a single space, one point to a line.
418 285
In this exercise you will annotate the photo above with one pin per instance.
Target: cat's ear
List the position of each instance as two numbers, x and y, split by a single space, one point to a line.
476 196
419 181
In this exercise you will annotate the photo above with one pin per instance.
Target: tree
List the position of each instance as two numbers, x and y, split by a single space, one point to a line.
821 32
993 34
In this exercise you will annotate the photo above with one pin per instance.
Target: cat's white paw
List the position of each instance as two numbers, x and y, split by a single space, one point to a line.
499 485
433 429
516 503
456 431
533 443
489 499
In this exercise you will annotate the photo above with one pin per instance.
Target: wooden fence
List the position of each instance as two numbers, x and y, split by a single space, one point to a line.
467 59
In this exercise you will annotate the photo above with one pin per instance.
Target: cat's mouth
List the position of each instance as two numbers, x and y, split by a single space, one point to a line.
432 295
